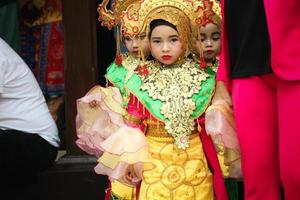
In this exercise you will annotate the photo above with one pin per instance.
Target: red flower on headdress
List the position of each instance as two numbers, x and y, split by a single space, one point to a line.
142 69
118 60
207 14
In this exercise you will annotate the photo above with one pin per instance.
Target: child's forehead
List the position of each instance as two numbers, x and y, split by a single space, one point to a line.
134 36
164 30
210 26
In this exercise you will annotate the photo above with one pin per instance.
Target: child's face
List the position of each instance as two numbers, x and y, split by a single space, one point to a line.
132 44
210 37
165 44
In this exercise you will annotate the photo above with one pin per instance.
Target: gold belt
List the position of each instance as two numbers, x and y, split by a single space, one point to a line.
157 129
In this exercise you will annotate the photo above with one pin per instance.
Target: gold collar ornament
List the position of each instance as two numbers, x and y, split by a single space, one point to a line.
174 86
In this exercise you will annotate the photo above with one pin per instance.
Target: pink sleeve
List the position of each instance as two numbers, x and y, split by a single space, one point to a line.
223 70
95 124
128 146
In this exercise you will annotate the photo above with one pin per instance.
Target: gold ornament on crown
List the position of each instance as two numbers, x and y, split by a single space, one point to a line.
212 13
184 14
135 15
217 8
178 12
111 17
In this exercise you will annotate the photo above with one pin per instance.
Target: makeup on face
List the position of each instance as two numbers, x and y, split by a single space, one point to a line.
132 44
165 44
210 37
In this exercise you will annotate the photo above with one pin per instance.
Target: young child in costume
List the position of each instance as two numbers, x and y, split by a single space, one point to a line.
118 76
219 117
90 118
120 71
137 46
163 142
208 36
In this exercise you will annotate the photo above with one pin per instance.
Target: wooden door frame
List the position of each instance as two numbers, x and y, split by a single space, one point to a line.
81 71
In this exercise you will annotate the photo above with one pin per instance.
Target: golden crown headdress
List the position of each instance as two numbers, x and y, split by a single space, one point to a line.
212 12
181 13
134 14
137 17
112 17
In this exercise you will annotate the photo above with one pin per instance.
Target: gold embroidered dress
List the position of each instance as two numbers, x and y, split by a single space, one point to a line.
166 104
160 138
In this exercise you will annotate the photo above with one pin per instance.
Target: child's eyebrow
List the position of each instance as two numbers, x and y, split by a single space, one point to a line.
153 38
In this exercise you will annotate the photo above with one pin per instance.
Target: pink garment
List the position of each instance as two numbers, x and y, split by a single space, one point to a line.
267 112
211 156
223 71
267 108
219 124
93 125
284 30
136 109
101 131
124 147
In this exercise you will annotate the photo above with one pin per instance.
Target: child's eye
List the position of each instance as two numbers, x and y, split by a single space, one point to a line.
127 39
156 41
216 36
174 39
142 37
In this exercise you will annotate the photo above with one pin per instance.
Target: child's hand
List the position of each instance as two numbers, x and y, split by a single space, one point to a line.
94 104
221 95
235 170
131 177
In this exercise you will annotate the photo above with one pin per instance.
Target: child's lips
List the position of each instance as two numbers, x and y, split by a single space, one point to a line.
166 57
209 52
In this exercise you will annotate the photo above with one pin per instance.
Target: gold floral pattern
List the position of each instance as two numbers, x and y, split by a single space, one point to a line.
174 86
175 173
